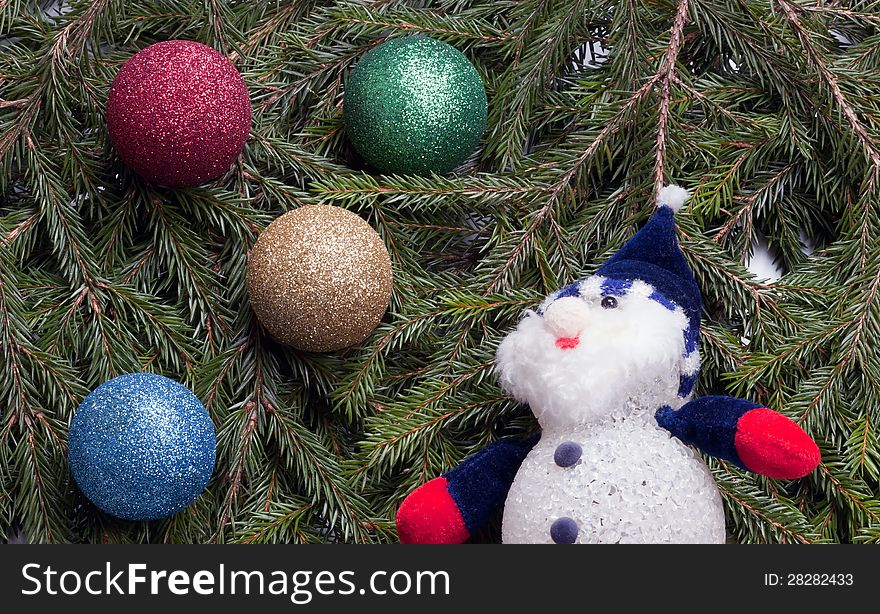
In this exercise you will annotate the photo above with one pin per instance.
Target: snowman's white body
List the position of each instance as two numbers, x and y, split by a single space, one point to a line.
633 484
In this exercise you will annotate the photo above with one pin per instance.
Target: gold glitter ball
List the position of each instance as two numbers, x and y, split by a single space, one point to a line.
319 278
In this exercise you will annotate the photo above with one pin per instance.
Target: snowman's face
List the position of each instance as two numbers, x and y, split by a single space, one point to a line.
596 348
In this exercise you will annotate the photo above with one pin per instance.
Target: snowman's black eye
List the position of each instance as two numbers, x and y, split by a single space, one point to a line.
609 302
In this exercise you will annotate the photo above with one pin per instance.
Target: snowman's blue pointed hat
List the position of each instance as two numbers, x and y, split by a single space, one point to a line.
653 256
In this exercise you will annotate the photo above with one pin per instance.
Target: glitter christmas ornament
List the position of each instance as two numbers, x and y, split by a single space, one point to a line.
415 105
319 278
141 447
178 113
608 366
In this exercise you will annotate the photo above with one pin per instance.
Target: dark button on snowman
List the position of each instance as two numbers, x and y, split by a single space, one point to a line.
567 453
608 365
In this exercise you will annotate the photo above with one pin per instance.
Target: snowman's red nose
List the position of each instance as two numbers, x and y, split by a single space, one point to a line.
567 343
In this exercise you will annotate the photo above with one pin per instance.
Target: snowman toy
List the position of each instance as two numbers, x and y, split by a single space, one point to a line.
608 365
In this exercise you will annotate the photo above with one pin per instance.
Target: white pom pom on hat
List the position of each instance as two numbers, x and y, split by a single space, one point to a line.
672 196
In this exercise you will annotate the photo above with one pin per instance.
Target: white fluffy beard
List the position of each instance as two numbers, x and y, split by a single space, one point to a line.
625 362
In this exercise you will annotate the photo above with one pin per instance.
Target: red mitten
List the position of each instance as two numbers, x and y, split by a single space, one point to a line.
770 444
429 515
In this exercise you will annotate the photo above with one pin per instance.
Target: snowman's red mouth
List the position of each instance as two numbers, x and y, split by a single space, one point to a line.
567 343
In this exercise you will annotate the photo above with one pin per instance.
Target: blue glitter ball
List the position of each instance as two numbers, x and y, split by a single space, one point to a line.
141 447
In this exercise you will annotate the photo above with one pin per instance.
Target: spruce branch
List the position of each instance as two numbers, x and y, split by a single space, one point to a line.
830 79
560 186
768 113
667 71
744 214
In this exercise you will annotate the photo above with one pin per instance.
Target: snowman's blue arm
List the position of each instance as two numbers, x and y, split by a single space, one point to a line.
451 508
745 433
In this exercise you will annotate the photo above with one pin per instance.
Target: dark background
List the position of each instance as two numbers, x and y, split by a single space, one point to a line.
496 579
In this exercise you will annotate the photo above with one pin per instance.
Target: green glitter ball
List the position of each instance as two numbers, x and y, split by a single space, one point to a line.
415 105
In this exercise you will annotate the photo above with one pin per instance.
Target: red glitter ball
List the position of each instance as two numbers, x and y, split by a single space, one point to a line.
178 113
